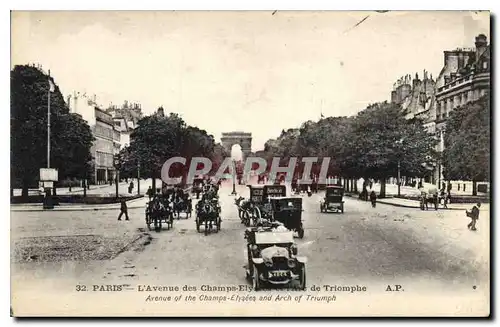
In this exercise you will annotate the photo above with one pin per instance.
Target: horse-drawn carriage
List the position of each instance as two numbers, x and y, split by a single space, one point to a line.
197 188
260 196
429 195
159 211
245 209
182 203
179 200
208 212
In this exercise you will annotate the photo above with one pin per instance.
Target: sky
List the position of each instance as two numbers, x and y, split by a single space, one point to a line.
255 72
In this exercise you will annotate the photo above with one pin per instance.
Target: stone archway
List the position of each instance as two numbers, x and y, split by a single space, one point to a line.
241 138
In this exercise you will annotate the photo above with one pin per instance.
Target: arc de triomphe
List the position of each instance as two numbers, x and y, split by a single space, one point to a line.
241 138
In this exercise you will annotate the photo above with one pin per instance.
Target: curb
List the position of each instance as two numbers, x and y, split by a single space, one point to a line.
403 205
111 206
71 209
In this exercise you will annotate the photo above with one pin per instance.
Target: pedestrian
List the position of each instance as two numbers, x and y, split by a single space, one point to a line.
474 216
373 198
149 192
131 187
123 210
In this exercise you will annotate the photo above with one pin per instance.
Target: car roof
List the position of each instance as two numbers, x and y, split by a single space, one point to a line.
271 237
285 198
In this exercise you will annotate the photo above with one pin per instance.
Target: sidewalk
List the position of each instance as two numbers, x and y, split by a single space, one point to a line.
392 189
123 190
406 203
132 204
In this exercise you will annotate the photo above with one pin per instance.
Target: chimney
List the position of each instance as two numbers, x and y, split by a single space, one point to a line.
481 44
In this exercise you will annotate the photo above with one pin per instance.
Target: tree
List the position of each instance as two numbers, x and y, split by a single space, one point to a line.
381 137
467 143
71 137
156 139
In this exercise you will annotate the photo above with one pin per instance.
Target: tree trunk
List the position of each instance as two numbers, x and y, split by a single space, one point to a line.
355 185
154 184
84 188
24 192
382 188
474 187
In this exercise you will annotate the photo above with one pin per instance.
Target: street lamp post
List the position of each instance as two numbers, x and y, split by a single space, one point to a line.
399 178
138 177
234 178
399 142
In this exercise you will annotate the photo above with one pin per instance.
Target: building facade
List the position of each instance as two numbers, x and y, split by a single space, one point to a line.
107 138
417 98
125 120
106 145
465 77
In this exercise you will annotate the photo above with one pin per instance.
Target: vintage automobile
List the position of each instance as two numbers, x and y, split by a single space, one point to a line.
273 257
259 198
333 200
288 211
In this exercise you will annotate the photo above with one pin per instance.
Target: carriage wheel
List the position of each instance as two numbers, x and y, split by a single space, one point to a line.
218 224
246 218
197 224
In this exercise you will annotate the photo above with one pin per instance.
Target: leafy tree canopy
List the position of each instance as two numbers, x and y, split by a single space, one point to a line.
467 142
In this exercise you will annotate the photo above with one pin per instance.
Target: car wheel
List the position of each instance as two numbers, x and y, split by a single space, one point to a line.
255 279
301 233
302 278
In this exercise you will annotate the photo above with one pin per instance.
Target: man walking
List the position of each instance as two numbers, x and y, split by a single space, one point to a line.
474 216
123 210
373 198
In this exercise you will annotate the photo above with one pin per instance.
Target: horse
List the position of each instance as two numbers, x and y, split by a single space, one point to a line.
244 210
181 204
157 212
208 212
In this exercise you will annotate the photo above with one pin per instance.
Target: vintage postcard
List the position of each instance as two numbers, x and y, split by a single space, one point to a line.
250 163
